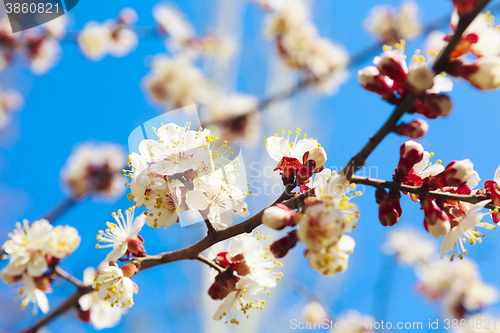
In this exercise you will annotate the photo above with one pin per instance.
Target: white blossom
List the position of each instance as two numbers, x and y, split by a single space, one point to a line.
246 297
115 288
410 246
26 249
101 314
31 294
95 167
64 241
119 235
466 231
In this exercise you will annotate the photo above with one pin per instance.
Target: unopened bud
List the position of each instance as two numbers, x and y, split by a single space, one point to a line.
224 284
420 79
433 106
42 282
436 222
278 216
135 246
414 130
371 79
494 189
281 247
456 174
390 64
411 153
129 270
84 315
387 213
318 155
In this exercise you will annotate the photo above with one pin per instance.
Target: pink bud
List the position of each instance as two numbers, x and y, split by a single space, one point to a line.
436 222
135 246
411 153
456 174
433 105
129 270
494 189
420 79
224 283
391 65
387 213
318 155
281 247
278 217
371 79
414 130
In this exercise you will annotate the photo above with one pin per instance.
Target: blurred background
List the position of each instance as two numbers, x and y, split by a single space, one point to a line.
80 100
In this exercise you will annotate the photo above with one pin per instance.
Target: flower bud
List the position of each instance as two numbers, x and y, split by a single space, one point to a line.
484 74
391 65
281 247
42 282
494 189
135 246
436 222
224 283
129 270
223 259
411 153
414 130
318 155
371 79
278 217
433 105
456 174
420 79
387 213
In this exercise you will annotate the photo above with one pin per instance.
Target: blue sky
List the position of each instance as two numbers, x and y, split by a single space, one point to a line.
80 100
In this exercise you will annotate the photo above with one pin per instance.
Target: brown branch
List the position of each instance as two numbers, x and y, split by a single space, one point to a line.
417 190
358 161
68 277
209 263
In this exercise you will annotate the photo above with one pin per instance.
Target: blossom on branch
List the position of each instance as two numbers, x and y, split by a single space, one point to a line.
114 37
123 236
390 26
94 309
10 101
114 285
94 168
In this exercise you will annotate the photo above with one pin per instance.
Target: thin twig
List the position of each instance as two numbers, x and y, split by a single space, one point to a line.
58 210
209 263
68 277
417 190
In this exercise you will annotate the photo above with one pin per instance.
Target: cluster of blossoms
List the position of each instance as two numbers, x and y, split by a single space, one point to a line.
301 47
245 277
33 252
476 57
390 25
40 45
325 218
392 78
351 321
10 101
114 37
186 169
458 284
94 168
456 220
183 38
